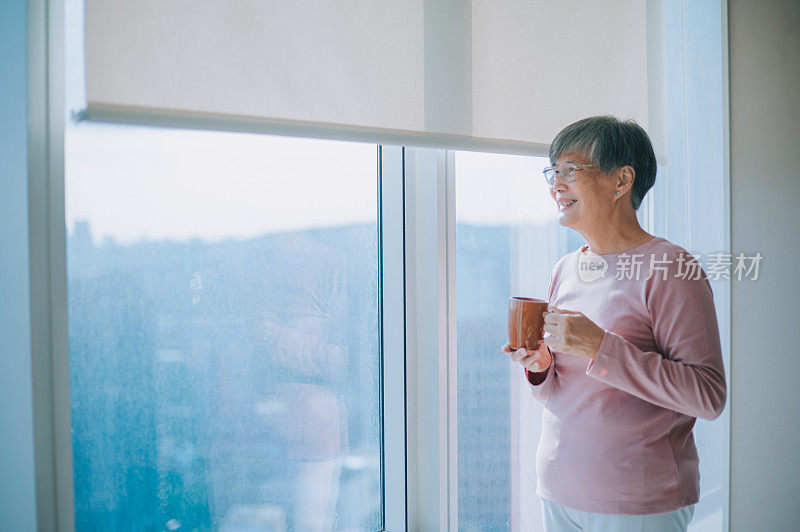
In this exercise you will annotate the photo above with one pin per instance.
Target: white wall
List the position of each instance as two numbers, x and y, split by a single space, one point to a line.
765 211
17 494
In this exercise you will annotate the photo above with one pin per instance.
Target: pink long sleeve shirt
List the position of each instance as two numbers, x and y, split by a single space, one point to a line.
617 430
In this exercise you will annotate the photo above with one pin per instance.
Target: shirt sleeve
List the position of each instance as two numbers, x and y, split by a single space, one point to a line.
541 383
686 373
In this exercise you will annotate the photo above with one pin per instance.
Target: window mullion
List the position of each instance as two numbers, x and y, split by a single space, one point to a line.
430 382
451 335
393 331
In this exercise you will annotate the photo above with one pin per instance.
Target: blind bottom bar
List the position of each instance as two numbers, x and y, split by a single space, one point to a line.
243 124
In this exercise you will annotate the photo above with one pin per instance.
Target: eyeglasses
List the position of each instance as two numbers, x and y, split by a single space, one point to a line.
566 171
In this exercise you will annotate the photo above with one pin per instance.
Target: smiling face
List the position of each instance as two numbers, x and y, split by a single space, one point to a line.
588 200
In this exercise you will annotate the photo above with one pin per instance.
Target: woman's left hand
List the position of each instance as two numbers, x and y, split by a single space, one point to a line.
571 332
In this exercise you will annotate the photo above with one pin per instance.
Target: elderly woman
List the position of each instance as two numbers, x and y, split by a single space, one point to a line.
631 355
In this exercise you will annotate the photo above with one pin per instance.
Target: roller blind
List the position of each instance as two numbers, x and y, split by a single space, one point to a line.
499 74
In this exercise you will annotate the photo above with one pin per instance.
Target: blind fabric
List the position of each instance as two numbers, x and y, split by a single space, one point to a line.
449 72
540 65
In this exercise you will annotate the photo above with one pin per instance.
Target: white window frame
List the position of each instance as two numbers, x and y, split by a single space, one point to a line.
391 245
431 334
49 340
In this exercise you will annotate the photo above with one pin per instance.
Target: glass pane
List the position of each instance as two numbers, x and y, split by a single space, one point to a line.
223 317
507 240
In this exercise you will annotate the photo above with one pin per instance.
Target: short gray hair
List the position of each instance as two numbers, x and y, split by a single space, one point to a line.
611 143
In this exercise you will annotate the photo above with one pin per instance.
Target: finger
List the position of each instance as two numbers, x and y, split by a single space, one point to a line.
545 356
551 328
533 363
531 356
553 317
551 342
553 308
542 348
507 349
517 355
561 314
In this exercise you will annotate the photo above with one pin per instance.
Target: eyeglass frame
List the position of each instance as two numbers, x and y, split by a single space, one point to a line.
570 177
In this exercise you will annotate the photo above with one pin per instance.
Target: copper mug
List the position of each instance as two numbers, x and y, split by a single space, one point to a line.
526 322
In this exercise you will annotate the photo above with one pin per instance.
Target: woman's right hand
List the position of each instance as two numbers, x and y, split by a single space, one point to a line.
535 361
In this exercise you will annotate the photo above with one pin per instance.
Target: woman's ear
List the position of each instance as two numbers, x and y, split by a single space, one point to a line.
625 178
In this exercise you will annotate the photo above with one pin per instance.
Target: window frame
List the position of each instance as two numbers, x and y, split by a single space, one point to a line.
393 352
48 280
431 334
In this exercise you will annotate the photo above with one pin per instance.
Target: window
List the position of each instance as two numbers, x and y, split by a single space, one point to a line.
223 331
507 240
199 263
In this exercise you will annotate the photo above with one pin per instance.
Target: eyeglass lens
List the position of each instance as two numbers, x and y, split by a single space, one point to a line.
567 172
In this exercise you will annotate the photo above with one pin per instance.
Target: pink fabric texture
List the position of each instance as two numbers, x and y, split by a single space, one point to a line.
617 431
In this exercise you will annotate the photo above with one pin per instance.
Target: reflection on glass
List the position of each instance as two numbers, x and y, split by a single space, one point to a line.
223 331
507 240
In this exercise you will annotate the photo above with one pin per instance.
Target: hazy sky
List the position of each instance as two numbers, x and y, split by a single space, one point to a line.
135 183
